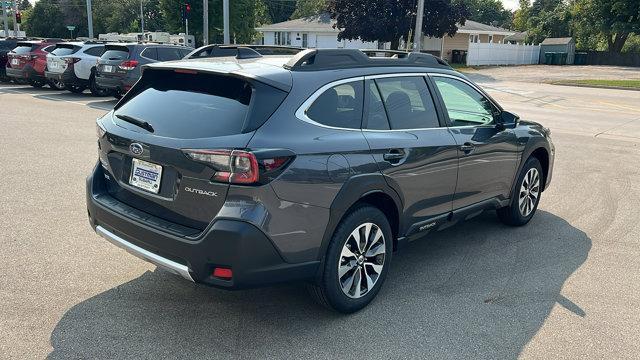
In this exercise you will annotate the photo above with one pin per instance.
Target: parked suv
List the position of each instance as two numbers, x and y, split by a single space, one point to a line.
73 65
28 61
119 66
238 173
6 45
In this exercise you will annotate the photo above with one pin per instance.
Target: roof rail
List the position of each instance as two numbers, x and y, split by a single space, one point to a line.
328 59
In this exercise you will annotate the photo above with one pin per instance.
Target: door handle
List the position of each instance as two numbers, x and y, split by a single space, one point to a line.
394 155
467 147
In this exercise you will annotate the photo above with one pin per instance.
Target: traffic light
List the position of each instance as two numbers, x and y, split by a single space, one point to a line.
186 9
18 18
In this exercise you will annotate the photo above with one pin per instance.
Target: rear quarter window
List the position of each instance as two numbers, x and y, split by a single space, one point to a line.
119 53
64 50
169 54
339 106
150 53
95 51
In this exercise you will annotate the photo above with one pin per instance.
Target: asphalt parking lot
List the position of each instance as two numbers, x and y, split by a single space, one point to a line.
565 286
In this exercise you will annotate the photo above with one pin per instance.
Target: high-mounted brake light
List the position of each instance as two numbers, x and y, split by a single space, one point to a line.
128 65
185 71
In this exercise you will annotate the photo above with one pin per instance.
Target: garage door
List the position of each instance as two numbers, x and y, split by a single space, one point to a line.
327 41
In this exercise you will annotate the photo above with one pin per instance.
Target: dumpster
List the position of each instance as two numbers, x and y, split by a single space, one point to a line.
580 59
563 58
548 58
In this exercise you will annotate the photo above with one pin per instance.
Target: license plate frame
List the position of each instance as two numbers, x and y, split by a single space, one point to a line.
145 175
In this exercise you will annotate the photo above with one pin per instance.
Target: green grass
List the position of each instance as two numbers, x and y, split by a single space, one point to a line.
630 84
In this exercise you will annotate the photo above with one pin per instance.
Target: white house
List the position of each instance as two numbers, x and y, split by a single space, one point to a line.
310 32
319 32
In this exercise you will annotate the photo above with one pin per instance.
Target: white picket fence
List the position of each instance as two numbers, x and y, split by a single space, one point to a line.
502 54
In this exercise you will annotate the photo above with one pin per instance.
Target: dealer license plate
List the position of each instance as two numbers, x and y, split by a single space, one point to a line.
107 68
15 62
146 175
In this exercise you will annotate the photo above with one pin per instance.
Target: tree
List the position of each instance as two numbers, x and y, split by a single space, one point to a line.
543 19
614 20
306 8
392 20
280 10
489 12
44 20
521 16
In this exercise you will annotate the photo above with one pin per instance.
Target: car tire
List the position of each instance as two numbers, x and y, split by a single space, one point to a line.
36 83
56 85
95 89
76 89
526 197
351 267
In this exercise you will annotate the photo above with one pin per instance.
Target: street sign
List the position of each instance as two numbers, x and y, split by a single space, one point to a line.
71 27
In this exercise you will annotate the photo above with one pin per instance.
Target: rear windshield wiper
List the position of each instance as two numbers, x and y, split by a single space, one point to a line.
140 123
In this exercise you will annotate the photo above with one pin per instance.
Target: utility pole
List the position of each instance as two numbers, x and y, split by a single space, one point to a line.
16 26
205 22
417 37
141 18
225 21
6 21
90 19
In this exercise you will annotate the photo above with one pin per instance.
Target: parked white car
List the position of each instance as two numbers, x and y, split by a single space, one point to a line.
73 64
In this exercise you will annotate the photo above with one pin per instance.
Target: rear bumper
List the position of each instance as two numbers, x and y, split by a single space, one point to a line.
121 84
227 243
68 77
27 73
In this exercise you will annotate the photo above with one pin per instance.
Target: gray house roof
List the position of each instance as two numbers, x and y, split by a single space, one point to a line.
324 23
519 36
316 23
557 41
474 26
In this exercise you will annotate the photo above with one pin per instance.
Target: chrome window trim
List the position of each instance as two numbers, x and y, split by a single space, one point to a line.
301 112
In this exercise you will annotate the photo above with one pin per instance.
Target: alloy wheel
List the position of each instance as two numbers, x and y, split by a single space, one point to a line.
362 260
529 192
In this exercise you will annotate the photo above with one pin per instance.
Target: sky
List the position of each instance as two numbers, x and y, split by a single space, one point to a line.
510 4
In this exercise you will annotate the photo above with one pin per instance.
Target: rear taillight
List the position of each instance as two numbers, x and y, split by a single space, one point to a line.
128 65
240 166
71 60
232 166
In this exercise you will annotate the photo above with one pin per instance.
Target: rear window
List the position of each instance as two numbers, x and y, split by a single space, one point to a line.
62 50
115 53
190 106
7 45
24 48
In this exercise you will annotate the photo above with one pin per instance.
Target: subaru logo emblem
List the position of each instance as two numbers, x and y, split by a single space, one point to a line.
136 149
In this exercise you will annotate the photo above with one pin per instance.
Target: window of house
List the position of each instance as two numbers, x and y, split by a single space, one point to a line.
490 39
474 39
282 38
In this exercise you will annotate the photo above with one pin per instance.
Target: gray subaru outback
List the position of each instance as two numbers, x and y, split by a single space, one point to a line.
317 167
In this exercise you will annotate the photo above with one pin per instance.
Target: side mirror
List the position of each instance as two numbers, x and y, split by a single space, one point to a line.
507 120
